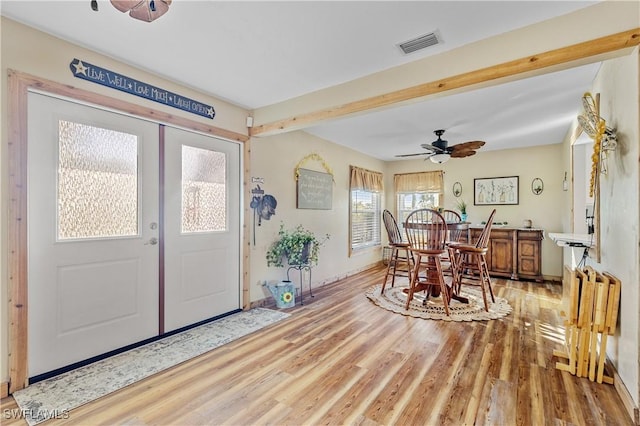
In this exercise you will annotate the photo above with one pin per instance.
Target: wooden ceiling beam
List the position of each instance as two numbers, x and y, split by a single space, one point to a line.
575 52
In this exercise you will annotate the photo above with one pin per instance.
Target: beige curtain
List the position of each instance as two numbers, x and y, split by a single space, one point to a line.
419 182
365 180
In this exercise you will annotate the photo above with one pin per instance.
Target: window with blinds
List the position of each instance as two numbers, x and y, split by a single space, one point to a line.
365 219
365 208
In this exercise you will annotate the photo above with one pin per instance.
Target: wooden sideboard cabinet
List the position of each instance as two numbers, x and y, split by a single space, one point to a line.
514 253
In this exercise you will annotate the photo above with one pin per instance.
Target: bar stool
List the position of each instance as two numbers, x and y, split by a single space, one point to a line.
397 245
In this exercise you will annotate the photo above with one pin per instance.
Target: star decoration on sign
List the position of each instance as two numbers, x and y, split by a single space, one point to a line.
80 68
211 112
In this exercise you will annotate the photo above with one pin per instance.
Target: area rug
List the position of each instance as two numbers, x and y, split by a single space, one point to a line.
394 300
54 397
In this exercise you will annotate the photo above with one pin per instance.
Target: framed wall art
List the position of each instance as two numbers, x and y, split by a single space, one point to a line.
495 191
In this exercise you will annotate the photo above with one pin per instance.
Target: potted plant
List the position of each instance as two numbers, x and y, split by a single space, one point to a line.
462 208
299 246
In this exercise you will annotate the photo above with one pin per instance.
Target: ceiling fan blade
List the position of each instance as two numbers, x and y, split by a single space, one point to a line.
467 145
415 155
430 147
440 146
461 153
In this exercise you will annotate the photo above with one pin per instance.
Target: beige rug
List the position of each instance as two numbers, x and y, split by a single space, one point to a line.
54 397
394 300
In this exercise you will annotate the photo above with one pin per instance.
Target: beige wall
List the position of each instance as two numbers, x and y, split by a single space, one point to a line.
544 162
618 83
274 159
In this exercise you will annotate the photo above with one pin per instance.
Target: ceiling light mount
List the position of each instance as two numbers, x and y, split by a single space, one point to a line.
144 10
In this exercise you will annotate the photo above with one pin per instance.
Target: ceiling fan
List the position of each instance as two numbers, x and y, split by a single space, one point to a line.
439 150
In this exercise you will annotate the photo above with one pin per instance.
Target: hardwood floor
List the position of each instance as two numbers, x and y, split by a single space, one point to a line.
339 359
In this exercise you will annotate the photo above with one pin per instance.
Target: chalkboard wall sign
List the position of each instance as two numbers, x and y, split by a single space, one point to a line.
315 190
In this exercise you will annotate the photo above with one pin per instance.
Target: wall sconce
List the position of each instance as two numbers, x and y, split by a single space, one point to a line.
565 183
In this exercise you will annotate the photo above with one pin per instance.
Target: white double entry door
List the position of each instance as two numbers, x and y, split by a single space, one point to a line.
133 230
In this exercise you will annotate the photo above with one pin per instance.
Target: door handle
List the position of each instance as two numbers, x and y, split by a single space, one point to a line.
153 241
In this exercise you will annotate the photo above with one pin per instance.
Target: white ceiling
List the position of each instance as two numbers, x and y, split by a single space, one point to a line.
255 54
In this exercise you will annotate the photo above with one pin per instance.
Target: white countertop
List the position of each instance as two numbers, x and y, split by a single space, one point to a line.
573 240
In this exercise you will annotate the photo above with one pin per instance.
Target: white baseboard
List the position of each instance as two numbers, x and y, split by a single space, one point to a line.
268 302
625 396
552 278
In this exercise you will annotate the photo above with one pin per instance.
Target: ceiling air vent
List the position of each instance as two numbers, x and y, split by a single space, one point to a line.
418 43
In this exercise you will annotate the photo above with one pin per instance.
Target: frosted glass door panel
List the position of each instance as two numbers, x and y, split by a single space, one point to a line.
204 190
97 182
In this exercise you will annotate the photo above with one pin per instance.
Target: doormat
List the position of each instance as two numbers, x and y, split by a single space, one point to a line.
54 397
394 300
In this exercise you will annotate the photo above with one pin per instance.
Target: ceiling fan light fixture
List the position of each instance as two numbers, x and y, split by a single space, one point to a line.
144 10
440 158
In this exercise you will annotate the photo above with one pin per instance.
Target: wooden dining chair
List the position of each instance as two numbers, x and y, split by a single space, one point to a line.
400 254
470 264
452 216
455 233
426 232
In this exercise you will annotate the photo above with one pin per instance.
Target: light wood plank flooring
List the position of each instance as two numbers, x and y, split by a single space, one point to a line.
339 359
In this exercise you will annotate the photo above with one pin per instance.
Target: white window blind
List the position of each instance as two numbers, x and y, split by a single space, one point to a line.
365 208
365 219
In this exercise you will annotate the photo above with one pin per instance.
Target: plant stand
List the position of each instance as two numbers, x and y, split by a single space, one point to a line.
301 268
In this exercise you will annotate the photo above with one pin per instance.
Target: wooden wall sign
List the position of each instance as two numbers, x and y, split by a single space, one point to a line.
90 72
315 190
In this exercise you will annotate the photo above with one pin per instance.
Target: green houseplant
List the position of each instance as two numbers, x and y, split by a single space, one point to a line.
299 246
462 208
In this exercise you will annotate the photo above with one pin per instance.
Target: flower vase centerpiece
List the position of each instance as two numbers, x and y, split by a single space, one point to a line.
462 208
299 246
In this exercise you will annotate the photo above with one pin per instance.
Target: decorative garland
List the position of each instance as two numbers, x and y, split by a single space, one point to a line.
312 156
595 126
595 157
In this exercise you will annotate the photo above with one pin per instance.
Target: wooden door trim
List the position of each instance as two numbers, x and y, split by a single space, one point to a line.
18 85
161 240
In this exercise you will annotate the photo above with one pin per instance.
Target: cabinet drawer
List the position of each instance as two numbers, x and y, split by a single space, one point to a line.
501 234
530 235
